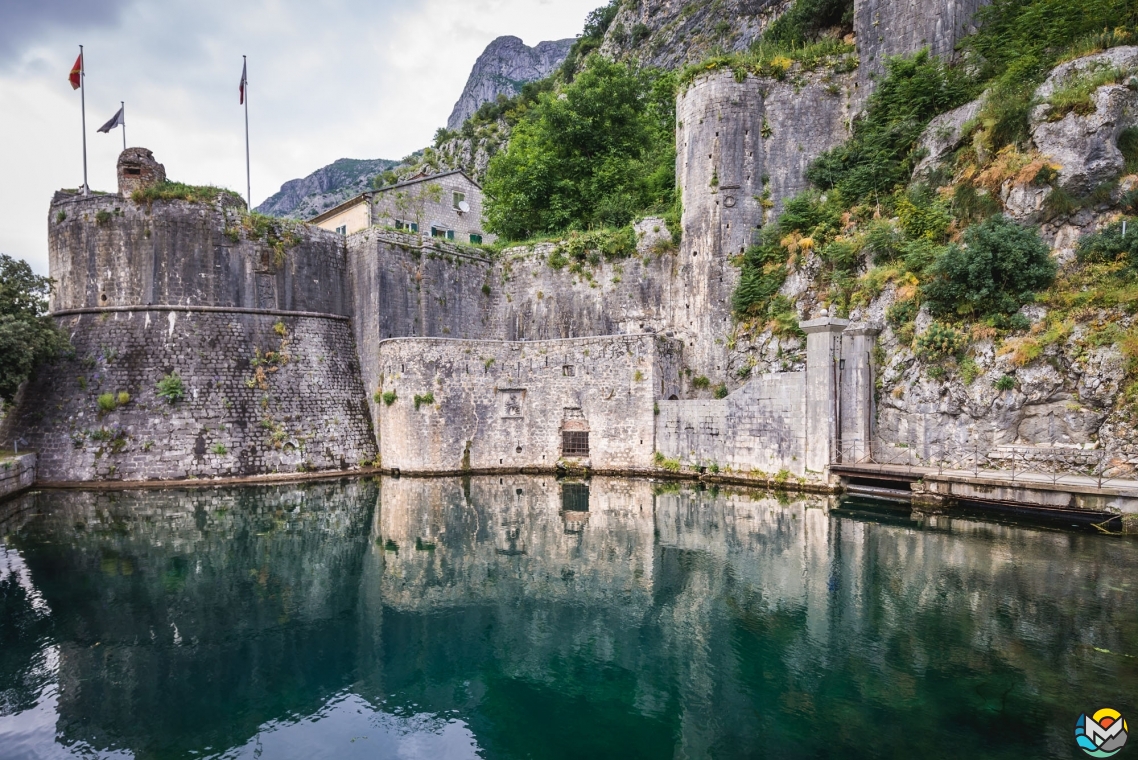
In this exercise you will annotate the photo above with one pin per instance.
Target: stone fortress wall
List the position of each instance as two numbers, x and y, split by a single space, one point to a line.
259 335
505 405
147 289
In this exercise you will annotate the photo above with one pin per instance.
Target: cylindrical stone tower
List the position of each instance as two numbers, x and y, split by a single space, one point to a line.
203 345
719 177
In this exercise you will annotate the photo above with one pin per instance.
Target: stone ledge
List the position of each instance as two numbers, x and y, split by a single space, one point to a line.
17 472
203 309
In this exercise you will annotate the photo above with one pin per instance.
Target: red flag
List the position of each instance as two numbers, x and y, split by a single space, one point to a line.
241 87
76 73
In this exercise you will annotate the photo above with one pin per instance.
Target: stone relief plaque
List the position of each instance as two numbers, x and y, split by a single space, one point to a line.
510 401
266 291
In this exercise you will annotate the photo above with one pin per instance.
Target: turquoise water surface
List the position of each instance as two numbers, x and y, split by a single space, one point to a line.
523 617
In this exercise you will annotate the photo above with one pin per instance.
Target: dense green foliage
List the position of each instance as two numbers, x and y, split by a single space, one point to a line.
807 20
1110 245
940 342
596 154
1020 40
27 334
996 271
596 24
880 154
805 221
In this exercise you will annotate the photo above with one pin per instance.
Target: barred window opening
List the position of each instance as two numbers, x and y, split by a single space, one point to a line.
574 443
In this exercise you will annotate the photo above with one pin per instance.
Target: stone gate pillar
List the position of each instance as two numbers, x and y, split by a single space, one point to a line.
855 399
823 368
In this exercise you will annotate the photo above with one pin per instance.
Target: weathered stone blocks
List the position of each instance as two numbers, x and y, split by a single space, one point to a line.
261 394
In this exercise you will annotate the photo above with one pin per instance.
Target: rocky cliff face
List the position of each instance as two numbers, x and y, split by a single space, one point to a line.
672 33
502 69
324 188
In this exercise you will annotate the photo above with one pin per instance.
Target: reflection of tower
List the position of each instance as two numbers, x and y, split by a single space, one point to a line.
718 174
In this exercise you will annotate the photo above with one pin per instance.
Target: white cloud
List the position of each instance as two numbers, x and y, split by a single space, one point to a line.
327 80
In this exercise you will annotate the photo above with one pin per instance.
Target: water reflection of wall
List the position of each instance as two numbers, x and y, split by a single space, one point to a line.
697 623
455 541
188 618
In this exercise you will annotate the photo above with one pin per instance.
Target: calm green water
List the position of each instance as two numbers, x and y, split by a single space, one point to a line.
515 617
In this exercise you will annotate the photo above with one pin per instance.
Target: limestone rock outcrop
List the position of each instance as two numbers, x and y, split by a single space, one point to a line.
324 188
672 33
502 69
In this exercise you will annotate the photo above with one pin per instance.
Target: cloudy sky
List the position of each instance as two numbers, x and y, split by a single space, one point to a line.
330 79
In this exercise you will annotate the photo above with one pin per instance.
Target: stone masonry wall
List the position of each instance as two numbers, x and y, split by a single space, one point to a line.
304 414
505 404
410 286
107 251
902 27
761 426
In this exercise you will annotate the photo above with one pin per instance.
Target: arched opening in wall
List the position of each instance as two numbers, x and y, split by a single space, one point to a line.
673 397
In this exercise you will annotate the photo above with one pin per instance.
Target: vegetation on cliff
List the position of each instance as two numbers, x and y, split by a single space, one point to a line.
27 334
940 240
596 153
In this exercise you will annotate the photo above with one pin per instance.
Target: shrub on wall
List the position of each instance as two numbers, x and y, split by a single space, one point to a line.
1110 244
998 269
171 388
939 342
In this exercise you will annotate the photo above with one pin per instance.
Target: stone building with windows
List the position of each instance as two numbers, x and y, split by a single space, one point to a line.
446 206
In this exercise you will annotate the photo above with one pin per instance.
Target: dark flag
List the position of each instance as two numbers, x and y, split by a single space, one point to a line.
241 87
116 121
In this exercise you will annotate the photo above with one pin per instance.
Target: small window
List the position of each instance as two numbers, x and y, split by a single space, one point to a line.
414 226
475 238
459 198
567 370
438 233
343 230
133 171
400 224
450 234
574 443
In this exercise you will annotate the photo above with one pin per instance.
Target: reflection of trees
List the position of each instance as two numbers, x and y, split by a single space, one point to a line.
24 626
187 619
685 623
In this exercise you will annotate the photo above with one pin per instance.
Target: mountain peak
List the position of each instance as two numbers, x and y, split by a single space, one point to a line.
505 65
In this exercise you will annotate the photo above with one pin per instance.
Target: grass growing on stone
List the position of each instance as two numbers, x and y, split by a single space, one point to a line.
179 191
1077 93
427 398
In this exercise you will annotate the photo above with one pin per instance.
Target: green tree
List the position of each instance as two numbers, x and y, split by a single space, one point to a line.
27 335
596 153
998 269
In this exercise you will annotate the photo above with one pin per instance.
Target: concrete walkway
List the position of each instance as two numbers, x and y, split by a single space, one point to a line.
1003 478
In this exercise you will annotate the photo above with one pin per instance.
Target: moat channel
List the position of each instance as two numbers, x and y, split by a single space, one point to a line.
526 617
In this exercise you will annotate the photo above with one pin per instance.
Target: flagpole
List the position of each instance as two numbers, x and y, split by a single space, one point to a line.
123 104
83 107
248 173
